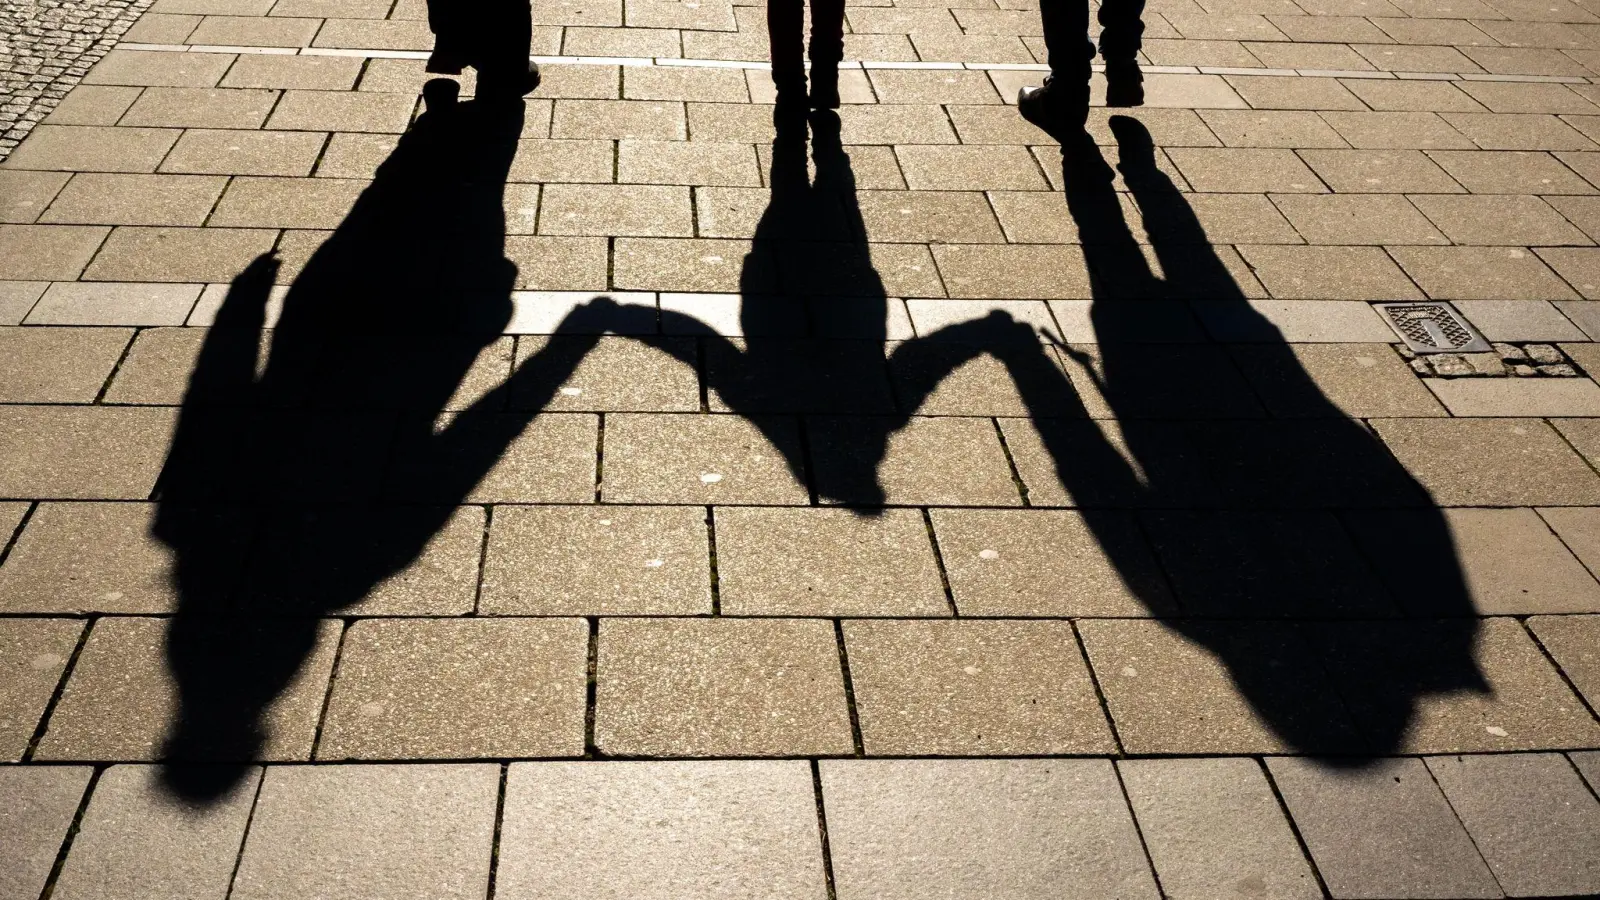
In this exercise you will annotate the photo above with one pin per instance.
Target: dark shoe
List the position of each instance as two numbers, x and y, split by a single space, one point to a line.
1057 108
498 82
1124 84
824 86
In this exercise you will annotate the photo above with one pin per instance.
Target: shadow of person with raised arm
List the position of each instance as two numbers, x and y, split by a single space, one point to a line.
1289 534
298 483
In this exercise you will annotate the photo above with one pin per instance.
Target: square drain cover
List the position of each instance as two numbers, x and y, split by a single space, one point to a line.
1432 327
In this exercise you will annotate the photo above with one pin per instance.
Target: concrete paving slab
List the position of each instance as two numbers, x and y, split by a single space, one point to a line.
137 839
17 298
701 459
720 687
995 828
377 832
1483 397
654 830
1574 643
1381 831
40 804
57 365
65 452
1358 380
930 461
33 654
1498 462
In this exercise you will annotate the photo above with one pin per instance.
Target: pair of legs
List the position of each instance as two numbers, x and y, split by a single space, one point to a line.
1064 99
786 33
492 36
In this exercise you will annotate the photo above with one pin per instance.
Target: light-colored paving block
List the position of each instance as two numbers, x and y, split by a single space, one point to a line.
44 252
549 458
1213 829
659 830
973 688
810 562
1022 829
138 840
1517 396
1491 462
1319 380
82 452
720 687
1519 320
57 365
474 689
1381 831
1530 816
1574 643
17 298
376 832
37 805
550 312
88 303
937 461
701 459
1292 321
33 655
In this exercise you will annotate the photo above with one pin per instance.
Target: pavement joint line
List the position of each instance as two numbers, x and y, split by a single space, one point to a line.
882 65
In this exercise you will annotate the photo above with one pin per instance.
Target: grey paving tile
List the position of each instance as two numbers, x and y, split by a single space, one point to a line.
994 828
1357 380
57 365
48 252
1380 171
973 688
306 73
91 453
1518 396
1481 273
548 459
1349 219
1245 170
473 689
121 699
1452 686
88 303
720 687
1580 266
33 655
39 805
89 104
701 459
381 832
11 516
1272 321
1519 320
1214 829
1049 563
138 840
225 152
1329 273
1397 130
104 199
150 68
615 374
656 830
177 107
17 298
622 560
1583 313
1510 172
24 195
89 148
1244 688
1490 462
342 111
1574 642
1385 830
1530 816
193 255
1518 131
827 562
930 461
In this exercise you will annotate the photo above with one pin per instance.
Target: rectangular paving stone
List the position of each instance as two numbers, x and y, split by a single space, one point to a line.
929 461
1244 170
254 31
95 199
39 805
614 374
702 459
720 687
1380 171
156 69
667 264
687 162
1481 273
684 83
33 656
1214 688
1519 320
1498 220
1397 130
722 314
1347 219
201 108
62 452
57 365
932 168
1028 829
287 202
1530 816
1214 829
1295 129
1314 380
559 263
473 689
87 303
389 831
305 73
87 148
604 209
541 459
656 830
1572 641
1518 131
1510 172
102 558
927 217
898 124
1578 266
977 383
1452 686
17 299
1490 462
395 34
585 161
342 111
121 701
48 252
230 152
11 516
1048 563
597 561
824 562
661 120
1293 321
89 104
1518 396
982 271
194 255
1382 831
24 195
137 839
973 688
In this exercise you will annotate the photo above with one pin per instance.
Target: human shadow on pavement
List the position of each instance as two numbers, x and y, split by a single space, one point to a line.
297 484
1300 553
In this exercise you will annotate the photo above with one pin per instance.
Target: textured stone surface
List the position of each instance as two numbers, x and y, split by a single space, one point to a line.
33 655
1500 462
1381 831
981 828
57 365
1574 641
934 461
1214 829
377 832
623 560
656 830
973 688
826 562
431 689
138 840
37 805
701 459
686 687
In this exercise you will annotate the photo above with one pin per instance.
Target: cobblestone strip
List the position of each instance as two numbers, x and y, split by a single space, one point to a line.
46 47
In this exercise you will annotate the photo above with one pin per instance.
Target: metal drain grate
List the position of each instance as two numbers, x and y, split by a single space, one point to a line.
1432 328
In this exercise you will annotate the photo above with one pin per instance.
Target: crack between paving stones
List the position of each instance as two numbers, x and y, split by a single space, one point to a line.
72 832
1138 830
333 681
599 457
12 539
116 369
1011 464
711 553
591 688
822 831
499 823
1294 827
1550 657
483 559
849 690
60 690
1099 693
249 819
938 563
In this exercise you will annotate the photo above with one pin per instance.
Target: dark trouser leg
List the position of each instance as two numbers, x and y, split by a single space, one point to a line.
1121 28
1066 38
827 31
786 37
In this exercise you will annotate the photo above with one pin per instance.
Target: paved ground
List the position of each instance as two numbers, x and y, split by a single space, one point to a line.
622 496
